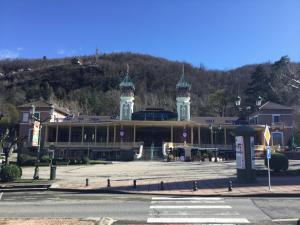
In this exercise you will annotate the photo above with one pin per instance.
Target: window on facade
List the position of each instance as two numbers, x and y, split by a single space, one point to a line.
101 134
277 138
25 117
89 134
76 134
276 118
51 134
63 134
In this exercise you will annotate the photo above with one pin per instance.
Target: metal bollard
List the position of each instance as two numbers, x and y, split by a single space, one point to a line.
195 187
52 172
229 185
134 184
162 186
108 183
86 182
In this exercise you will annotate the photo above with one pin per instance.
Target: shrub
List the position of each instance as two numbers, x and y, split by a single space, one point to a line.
26 160
85 160
10 173
46 159
278 162
74 162
204 156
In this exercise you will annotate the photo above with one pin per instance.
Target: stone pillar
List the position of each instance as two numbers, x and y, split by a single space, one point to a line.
70 133
95 135
211 136
245 153
192 135
114 133
56 136
199 136
134 133
107 134
172 134
225 136
82 134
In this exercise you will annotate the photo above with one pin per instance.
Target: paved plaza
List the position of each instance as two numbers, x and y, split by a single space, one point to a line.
178 177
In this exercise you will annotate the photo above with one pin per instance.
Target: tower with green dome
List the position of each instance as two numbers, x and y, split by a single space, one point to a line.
127 97
183 99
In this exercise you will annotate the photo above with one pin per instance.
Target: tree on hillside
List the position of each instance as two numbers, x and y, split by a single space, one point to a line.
259 86
280 77
218 102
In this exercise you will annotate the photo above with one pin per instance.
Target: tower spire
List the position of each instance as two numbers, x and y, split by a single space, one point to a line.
127 70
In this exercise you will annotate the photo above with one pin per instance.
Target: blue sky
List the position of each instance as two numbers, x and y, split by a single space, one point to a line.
219 34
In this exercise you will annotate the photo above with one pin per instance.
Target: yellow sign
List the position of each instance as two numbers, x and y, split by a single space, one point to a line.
267 135
35 133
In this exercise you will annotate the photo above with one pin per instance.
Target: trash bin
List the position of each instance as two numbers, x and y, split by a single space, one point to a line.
52 172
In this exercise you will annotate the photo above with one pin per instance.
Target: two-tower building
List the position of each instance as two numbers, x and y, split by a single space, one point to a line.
149 132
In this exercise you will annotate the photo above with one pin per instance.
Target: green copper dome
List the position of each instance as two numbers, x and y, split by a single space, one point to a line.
126 82
183 83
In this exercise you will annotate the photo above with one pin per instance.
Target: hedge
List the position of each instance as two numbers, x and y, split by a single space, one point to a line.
10 173
278 162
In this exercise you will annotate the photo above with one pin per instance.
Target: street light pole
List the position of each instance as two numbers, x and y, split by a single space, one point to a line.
36 170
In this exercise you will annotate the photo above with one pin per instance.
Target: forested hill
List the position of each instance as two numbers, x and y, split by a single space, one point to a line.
90 84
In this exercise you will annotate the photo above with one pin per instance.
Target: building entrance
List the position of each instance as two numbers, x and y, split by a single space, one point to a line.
153 138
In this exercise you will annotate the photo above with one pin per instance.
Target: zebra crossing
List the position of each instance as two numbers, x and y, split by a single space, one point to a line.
189 210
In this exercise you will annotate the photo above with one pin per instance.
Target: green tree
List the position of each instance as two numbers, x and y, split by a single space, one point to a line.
259 86
218 102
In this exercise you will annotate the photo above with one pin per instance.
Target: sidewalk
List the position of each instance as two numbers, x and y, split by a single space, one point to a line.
281 186
178 177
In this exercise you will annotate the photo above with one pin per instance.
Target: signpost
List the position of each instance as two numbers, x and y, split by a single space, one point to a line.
267 136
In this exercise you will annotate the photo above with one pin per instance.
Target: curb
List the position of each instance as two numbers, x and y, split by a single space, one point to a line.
107 191
20 188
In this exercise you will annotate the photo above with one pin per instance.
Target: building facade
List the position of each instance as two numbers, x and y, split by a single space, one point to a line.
280 120
145 133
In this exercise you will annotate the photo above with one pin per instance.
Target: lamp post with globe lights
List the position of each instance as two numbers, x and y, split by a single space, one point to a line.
39 123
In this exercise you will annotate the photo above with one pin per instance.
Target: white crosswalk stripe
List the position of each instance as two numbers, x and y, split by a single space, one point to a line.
190 210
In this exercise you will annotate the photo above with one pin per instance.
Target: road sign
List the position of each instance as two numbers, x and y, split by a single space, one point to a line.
268 152
268 148
267 135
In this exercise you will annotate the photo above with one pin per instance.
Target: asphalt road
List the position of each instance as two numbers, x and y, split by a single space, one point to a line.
151 209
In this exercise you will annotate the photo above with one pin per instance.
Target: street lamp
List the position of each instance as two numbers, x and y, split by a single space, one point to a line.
34 118
242 119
